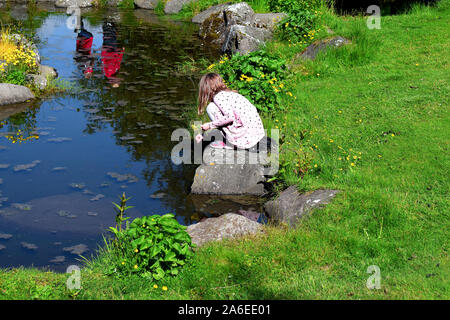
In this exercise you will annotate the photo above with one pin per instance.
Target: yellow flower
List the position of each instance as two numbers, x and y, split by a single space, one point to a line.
123 262
135 266
136 250
164 288
155 286
352 164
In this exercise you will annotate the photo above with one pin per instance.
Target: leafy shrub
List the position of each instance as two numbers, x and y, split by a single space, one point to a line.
151 246
259 76
299 26
289 6
15 76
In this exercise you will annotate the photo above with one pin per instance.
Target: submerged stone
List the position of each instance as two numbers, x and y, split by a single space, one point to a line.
97 197
26 167
29 246
60 139
77 249
21 206
58 259
5 236
79 186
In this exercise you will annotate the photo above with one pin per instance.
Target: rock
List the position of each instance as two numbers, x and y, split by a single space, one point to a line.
312 50
215 20
77 249
76 3
48 72
229 225
37 80
5 236
174 6
58 259
11 93
245 39
26 167
291 206
146 4
230 172
29 246
267 20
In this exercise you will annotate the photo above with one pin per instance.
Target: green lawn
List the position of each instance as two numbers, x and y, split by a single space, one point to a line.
384 99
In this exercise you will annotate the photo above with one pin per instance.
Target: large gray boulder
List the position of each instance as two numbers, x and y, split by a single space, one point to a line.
245 39
11 93
291 206
214 25
229 172
146 4
175 6
48 72
77 3
229 225
267 20
313 50
39 81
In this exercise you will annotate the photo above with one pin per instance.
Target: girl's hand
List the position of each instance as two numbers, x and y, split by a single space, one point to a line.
206 126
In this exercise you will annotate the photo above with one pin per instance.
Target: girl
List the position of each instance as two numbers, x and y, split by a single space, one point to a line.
231 113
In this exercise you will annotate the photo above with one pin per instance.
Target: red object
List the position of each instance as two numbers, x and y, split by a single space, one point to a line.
111 62
85 44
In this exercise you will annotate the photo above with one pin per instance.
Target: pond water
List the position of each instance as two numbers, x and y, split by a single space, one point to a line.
64 159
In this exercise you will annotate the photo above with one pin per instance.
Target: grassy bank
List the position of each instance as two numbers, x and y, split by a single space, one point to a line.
372 118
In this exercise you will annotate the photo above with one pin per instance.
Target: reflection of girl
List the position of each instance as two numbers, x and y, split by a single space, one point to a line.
231 113
111 55
83 48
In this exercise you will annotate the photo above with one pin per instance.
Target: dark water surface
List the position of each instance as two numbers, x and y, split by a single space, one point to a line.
81 150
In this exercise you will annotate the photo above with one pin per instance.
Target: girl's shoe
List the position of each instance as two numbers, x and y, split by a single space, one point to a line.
220 145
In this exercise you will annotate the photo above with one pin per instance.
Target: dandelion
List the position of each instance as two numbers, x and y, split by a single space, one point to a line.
155 286
352 164
164 288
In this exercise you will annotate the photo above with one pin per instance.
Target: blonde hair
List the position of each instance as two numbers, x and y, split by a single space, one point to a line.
210 85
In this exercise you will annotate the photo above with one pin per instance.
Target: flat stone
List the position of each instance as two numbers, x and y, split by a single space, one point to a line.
175 6
291 206
146 4
313 50
11 93
48 72
29 246
5 236
76 3
229 225
230 172
77 249
58 259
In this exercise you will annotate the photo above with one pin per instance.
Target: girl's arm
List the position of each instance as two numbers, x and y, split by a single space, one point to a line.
218 118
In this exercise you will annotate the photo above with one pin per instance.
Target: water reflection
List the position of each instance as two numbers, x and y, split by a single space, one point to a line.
111 55
83 56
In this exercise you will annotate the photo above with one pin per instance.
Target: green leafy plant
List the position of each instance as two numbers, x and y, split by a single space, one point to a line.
160 245
289 6
15 76
150 246
259 76
299 26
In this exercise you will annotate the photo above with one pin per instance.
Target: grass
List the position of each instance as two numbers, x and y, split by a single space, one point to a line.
384 96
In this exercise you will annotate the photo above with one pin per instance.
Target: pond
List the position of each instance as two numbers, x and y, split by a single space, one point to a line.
65 158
